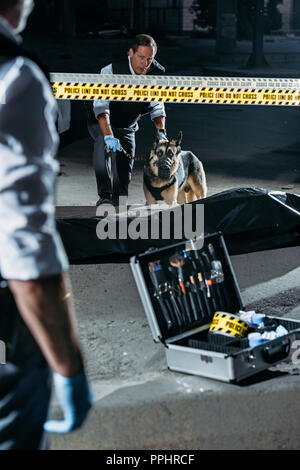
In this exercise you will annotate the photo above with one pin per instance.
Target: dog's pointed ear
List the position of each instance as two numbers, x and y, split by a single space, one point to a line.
179 139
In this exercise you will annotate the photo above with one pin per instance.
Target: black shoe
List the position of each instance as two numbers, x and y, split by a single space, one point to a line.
103 200
115 202
117 199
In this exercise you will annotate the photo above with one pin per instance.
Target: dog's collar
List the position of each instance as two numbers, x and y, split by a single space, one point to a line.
166 186
156 192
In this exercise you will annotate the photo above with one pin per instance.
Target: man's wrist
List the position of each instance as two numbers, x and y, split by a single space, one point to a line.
71 365
163 133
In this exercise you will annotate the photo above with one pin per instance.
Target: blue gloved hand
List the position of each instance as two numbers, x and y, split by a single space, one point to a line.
112 143
75 398
163 135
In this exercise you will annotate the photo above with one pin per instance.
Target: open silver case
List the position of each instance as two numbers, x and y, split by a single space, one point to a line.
202 265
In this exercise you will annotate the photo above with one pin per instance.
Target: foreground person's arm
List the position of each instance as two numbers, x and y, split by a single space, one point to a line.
46 309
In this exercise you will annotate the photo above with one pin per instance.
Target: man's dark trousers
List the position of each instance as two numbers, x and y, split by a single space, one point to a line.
112 175
25 383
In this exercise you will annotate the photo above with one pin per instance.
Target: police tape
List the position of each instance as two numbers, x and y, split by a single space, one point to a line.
206 90
228 325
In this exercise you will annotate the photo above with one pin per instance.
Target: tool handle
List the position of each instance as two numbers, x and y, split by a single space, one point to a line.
201 303
201 289
164 311
194 309
187 308
218 279
182 309
176 310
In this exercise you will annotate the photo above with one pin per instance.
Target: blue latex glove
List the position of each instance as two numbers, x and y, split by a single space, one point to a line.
252 318
163 135
75 398
112 143
257 338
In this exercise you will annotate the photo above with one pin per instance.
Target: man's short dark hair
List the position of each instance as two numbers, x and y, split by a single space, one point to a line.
143 40
7 4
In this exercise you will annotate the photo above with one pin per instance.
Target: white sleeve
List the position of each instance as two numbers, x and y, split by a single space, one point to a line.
157 109
102 106
30 246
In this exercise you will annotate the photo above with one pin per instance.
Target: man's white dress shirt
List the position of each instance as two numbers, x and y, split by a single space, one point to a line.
156 108
30 246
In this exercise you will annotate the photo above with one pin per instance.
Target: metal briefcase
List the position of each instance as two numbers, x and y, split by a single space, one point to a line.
181 287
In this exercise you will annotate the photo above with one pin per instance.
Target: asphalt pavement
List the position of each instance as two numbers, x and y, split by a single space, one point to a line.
139 403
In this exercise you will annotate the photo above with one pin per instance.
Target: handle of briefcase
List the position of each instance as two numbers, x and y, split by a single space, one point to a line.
277 352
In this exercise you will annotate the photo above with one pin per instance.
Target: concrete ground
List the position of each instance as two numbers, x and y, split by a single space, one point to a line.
138 402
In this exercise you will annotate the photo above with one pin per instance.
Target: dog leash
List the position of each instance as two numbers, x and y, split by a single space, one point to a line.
128 155
131 157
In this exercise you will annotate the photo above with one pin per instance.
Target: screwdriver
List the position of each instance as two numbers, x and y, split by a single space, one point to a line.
208 281
174 304
198 297
191 299
217 275
177 261
153 268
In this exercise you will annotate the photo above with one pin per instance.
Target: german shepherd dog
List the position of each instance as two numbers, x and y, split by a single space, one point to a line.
173 175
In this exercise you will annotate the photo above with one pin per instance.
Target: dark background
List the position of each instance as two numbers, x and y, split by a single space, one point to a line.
75 17
249 142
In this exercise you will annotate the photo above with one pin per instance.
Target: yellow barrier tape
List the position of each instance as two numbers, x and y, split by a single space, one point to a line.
175 94
227 324
177 89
